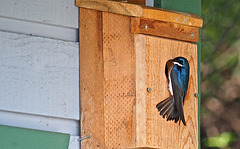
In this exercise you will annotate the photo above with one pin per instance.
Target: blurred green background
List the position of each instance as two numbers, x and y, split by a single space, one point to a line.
220 74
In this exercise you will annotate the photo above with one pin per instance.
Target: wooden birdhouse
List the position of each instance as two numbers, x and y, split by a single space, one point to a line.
123 51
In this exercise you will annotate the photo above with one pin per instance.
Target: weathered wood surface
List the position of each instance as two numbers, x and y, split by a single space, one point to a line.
139 2
141 11
107 77
111 6
141 129
164 29
159 132
91 79
119 81
116 68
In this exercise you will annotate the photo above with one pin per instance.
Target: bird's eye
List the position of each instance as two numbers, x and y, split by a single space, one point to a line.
181 62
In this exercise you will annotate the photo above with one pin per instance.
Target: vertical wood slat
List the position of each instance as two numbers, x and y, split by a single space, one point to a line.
107 64
194 7
160 133
91 79
119 81
140 46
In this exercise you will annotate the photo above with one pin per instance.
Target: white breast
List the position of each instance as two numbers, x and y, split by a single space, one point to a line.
170 84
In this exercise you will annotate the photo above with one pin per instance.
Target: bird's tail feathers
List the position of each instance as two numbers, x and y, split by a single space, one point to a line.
179 106
166 109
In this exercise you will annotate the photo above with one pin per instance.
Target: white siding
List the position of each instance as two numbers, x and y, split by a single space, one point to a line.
39 122
39 76
54 12
38 29
57 19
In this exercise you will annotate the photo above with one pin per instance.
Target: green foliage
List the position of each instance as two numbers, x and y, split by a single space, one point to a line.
221 25
220 73
220 141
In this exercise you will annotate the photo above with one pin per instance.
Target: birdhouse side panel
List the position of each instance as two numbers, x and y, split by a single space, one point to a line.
91 79
119 81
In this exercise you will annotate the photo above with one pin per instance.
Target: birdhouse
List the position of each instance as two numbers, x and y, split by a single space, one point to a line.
123 51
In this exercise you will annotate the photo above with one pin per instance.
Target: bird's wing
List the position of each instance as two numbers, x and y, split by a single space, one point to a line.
178 94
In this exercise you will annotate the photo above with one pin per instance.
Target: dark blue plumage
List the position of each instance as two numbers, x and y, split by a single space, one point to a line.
177 73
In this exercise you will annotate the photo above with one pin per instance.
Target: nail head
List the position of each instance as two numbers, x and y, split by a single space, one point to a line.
196 95
149 89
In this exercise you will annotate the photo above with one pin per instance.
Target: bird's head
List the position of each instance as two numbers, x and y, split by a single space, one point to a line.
181 61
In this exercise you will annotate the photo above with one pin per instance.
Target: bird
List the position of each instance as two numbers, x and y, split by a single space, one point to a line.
177 74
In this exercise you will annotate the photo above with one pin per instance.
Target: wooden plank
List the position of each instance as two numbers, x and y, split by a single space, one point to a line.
172 16
164 29
162 133
111 6
140 46
139 2
91 79
194 7
39 73
142 11
119 81
20 138
55 12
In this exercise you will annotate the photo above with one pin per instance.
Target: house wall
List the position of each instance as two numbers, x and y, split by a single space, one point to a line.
39 66
56 19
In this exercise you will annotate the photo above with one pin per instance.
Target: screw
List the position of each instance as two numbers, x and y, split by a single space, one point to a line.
149 89
192 34
83 138
196 95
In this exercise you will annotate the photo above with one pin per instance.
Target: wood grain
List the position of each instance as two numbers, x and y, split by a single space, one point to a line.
111 6
160 133
152 131
140 47
164 29
142 11
139 2
91 79
116 68
172 16
119 81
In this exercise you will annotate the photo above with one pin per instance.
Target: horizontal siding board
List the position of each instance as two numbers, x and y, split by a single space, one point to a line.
54 12
31 121
74 142
20 138
38 29
39 76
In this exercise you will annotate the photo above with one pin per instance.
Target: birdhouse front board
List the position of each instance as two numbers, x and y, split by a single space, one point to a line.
122 79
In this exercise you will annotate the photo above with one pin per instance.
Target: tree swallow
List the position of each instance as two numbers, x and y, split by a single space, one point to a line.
177 73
